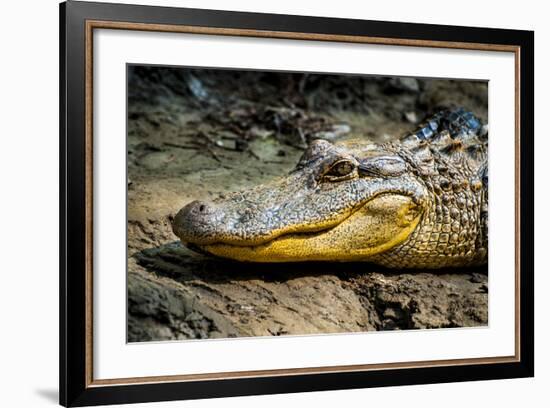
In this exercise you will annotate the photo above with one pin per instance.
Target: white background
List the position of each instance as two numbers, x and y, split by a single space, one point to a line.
113 358
29 175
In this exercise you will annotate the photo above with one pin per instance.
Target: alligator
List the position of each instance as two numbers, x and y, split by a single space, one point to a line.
420 201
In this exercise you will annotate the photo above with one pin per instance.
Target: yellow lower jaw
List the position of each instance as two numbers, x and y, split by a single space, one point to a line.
379 225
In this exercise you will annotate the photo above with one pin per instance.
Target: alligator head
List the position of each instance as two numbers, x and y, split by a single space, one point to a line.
348 201
342 202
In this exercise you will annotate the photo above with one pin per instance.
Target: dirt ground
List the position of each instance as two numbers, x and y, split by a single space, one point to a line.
195 134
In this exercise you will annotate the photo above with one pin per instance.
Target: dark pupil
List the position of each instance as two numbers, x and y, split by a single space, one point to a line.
342 169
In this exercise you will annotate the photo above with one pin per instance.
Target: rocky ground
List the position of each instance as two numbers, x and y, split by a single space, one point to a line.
194 134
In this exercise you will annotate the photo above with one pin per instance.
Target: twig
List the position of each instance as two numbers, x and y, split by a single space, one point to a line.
213 154
253 154
180 146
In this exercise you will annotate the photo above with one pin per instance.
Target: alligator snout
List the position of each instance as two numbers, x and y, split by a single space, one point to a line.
197 221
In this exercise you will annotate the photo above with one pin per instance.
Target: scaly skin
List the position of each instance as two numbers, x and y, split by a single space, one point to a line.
420 202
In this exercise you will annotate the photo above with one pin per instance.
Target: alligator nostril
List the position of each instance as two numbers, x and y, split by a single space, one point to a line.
196 221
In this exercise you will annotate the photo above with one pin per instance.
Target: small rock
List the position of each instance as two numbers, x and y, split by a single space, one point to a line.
404 84
411 117
336 132
228 144
260 133
197 89
478 278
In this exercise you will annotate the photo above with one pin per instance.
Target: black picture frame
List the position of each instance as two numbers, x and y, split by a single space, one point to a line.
76 389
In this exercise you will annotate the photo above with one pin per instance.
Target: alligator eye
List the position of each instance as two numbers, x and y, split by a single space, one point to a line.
341 170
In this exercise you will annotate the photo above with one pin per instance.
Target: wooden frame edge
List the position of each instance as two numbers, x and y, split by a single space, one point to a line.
89 140
291 35
232 375
517 193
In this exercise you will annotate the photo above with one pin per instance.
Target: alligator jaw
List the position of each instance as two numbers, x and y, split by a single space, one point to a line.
380 224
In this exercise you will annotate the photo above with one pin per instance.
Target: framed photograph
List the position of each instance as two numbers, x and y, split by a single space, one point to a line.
256 203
